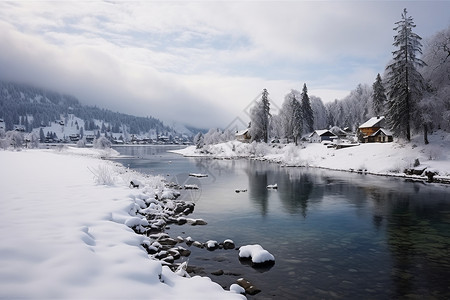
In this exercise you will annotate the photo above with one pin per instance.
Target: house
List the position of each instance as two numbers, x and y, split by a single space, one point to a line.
19 128
372 125
319 136
381 136
372 131
243 136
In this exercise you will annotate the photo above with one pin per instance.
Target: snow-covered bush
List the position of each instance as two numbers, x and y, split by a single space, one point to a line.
261 149
15 139
82 143
291 154
33 140
102 143
104 175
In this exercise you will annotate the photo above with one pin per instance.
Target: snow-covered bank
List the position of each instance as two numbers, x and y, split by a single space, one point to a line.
63 232
389 159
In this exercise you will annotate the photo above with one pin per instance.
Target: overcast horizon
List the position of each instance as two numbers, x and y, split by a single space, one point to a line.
202 63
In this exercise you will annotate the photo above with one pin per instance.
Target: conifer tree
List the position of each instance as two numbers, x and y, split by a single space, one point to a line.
405 83
307 112
379 96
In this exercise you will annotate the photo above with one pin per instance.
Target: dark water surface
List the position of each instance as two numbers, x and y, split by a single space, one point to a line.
334 235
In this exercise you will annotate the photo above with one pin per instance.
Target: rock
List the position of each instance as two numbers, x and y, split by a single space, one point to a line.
197 244
169 259
189 241
199 222
174 253
228 244
241 191
217 273
181 221
244 283
191 187
249 288
168 242
184 252
161 255
211 245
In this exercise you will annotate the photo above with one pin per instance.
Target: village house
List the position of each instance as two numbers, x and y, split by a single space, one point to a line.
243 136
319 136
372 131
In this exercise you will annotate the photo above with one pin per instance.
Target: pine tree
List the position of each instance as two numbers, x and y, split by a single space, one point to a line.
307 112
379 96
41 135
266 114
405 83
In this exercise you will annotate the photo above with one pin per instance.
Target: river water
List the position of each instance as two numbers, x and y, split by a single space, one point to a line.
334 235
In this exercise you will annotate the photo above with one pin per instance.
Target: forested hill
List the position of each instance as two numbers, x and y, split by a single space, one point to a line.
35 107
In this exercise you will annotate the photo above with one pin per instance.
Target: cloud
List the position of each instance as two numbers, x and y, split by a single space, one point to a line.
201 63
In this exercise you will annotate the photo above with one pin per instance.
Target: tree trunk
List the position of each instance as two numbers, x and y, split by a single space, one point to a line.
425 134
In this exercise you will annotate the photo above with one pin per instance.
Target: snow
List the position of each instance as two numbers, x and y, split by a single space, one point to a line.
257 253
65 236
372 122
389 159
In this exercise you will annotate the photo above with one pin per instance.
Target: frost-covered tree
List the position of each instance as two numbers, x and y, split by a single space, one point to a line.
260 118
33 140
379 99
320 113
198 140
404 82
15 139
291 116
307 113
436 73
102 143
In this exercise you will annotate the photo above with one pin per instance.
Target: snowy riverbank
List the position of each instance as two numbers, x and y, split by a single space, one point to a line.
63 231
389 159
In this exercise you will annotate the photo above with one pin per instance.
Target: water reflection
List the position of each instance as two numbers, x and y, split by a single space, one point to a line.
295 189
258 179
334 234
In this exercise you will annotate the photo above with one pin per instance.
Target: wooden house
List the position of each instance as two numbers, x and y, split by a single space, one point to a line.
372 131
319 136
381 136
372 125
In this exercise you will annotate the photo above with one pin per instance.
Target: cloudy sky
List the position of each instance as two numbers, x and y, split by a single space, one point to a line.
202 63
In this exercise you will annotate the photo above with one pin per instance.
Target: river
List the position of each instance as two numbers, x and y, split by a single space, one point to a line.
334 235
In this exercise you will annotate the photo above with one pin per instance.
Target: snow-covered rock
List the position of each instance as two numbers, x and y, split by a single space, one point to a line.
256 253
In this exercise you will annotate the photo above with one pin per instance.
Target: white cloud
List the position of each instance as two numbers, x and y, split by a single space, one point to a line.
201 62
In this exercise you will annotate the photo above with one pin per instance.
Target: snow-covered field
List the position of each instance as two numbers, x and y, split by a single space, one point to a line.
376 158
63 232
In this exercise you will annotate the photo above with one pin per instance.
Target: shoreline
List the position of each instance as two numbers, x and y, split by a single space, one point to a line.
82 229
386 157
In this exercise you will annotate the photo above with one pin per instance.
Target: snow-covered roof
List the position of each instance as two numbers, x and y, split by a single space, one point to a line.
242 132
373 122
322 132
384 131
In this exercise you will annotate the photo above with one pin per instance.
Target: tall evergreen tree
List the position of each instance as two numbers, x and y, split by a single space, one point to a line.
379 96
405 83
307 112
